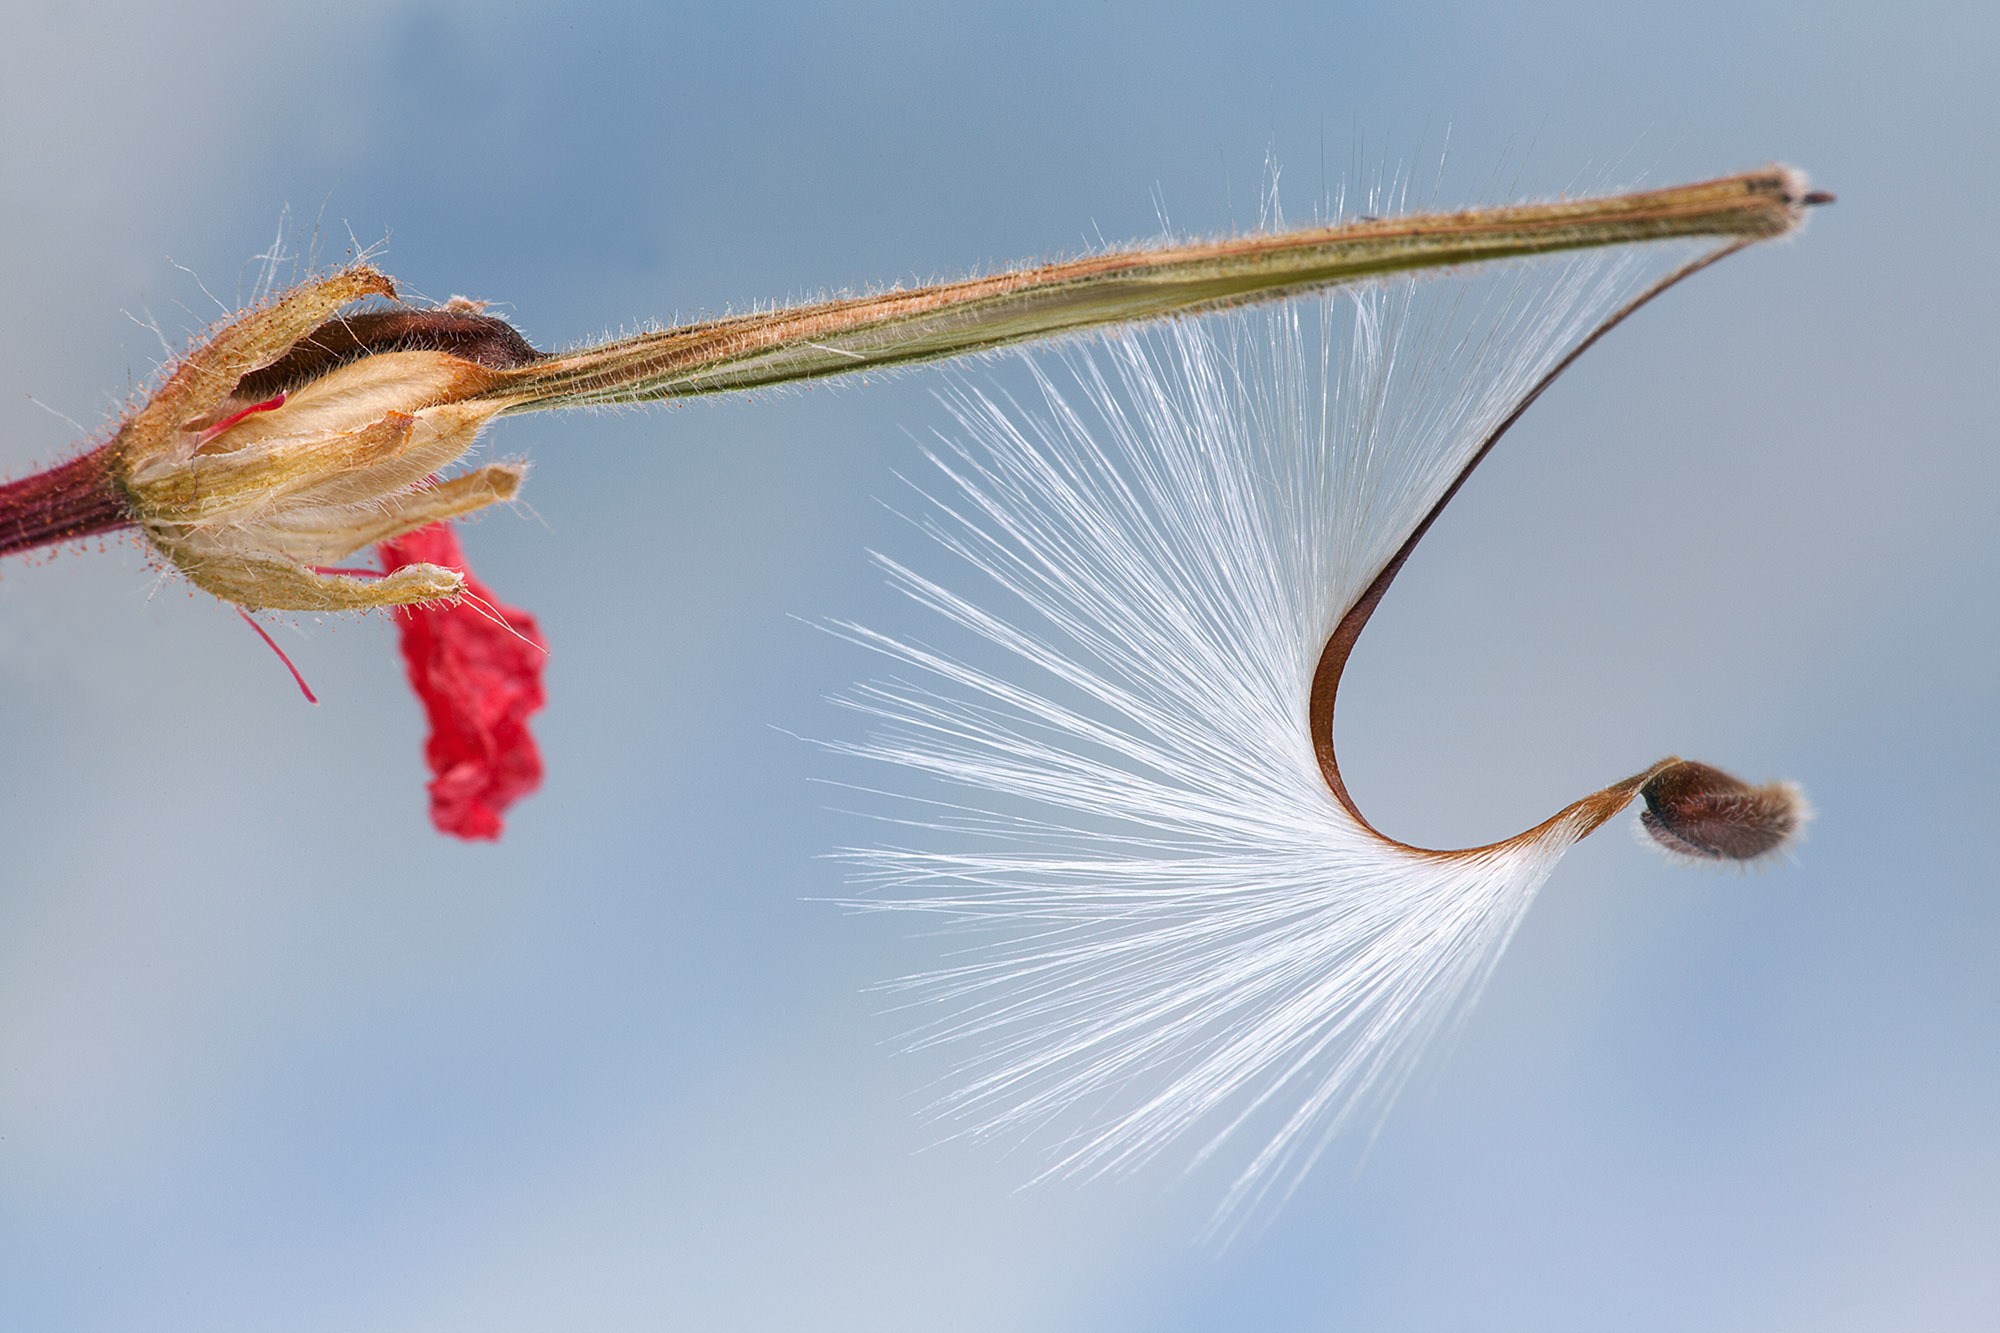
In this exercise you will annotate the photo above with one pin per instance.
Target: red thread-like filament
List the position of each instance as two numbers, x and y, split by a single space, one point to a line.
219 427
272 644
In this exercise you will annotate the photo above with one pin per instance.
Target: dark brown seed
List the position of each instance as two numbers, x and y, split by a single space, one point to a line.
1698 811
462 333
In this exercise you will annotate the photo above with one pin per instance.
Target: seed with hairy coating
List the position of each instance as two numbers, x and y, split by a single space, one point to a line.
1701 812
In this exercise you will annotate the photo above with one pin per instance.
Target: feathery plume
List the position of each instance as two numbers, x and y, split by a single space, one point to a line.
1179 926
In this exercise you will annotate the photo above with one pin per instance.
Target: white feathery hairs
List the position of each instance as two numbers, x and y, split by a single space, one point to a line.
1117 788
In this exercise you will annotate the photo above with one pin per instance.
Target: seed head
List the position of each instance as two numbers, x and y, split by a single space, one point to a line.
292 439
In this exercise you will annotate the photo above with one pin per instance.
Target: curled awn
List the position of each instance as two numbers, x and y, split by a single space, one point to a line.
1115 783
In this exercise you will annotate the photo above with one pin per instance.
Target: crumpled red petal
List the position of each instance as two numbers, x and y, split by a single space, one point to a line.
477 667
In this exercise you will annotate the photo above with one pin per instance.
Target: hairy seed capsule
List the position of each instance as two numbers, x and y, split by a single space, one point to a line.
1697 811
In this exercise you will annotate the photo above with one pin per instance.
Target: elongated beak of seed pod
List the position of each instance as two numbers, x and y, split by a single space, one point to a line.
288 442
293 438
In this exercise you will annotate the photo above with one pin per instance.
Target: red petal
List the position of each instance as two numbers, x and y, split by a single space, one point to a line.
477 666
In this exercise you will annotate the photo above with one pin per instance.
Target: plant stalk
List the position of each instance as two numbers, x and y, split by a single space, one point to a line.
73 499
898 327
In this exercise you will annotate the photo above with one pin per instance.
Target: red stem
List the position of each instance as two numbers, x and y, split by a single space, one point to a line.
70 500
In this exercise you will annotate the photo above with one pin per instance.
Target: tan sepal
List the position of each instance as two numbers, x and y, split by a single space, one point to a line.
316 536
270 583
206 378
309 450
234 486
432 441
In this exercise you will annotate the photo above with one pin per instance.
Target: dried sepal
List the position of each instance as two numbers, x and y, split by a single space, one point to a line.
206 378
295 437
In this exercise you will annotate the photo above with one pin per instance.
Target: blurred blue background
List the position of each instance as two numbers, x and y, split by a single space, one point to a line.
275 1055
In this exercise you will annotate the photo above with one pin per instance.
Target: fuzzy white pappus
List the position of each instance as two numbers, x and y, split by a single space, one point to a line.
1176 928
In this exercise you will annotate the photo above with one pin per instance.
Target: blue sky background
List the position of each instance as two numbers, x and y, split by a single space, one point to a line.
275 1055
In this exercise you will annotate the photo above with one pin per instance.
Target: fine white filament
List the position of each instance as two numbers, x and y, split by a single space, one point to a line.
1173 933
